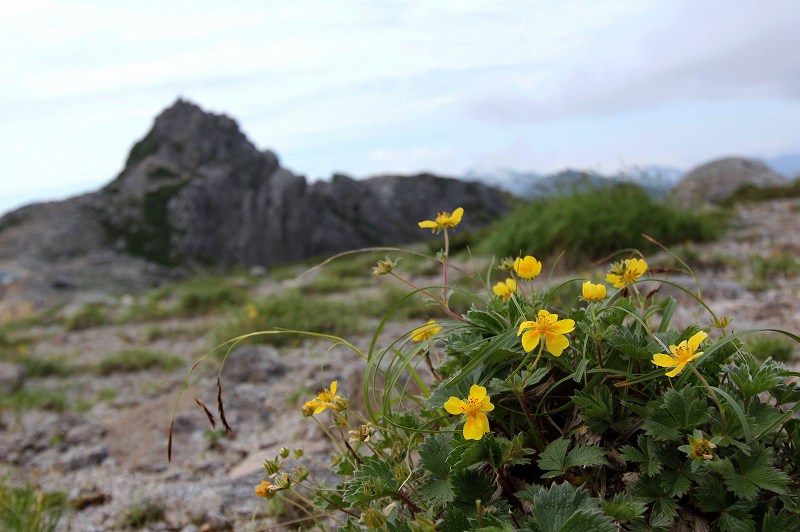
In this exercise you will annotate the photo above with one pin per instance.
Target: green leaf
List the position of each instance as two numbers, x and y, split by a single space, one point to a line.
454 520
469 486
553 458
433 454
437 492
564 508
677 413
736 518
597 408
489 321
372 481
751 377
585 456
647 457
663 508
712 496
784 521
755 472
623 507
485 450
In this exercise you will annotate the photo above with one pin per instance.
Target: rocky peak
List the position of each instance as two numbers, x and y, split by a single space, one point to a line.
715 181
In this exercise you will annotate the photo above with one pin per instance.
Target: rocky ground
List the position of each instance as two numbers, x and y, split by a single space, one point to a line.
105 444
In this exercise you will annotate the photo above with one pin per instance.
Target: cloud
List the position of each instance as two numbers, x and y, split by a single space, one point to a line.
707 51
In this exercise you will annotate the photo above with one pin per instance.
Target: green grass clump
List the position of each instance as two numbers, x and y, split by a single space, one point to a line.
90 315
597 223
26 398
143 513
769 346
54 366
783 265
201 296
132 360
754 193
26 508
291 310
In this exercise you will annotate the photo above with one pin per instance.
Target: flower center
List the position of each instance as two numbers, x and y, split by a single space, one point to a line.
682 354
701 449
473 406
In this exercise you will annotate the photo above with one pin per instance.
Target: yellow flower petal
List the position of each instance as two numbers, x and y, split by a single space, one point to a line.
677 370
484 422
477 392
455 218
563 326
473 429
455 406
526 325
694 341
428 224
333 387
556 343
664 361
530 340
486 404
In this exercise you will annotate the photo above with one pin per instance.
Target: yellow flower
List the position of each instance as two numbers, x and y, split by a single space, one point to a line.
429 330
527 267
594 292
626 272
266 489
383 267
476 423
549 326
505 288
325 399
699 448
681 354
443 220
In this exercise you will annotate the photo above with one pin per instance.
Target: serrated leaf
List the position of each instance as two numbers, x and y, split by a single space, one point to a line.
454 520
647 457
437 491
663 508
486 450
677 413
434 452
373 480
582 521
785 521
623 507
736 518
565 508
755 472
585 456
470 485
552 459
711 495
751 377
489 321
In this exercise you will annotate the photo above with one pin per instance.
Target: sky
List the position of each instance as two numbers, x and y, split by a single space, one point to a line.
364 87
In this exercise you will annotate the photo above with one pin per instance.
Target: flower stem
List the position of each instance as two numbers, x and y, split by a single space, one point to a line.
444 268
714 396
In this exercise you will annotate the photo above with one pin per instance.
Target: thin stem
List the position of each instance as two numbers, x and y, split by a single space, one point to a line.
714 396
443 304
444 267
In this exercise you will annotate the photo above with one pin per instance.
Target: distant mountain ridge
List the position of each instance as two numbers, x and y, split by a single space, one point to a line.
657 181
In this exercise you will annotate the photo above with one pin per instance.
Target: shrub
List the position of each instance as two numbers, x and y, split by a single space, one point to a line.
594 224
90 315
571 407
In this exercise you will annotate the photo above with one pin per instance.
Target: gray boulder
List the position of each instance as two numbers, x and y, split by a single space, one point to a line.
717 180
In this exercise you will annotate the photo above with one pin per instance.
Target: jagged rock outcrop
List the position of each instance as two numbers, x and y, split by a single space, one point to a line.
195 190
717 180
